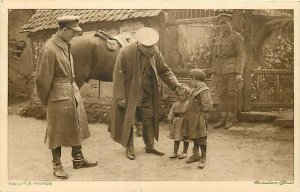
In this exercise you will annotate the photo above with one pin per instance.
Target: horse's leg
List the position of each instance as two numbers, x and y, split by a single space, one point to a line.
79 84
81 77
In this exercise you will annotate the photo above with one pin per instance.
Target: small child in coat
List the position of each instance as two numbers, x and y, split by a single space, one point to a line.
200 104
178 124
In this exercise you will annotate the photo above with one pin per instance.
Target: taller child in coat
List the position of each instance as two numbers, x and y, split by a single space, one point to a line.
200 104
55 86
135 90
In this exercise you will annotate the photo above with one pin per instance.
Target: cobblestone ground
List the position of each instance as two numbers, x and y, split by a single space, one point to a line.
248 152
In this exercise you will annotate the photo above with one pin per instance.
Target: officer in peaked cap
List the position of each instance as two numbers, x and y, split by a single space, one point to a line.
147 36
57 90
227 69
136 91
70 22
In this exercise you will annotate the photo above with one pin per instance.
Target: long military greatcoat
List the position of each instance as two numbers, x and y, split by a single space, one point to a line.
55 86
127 85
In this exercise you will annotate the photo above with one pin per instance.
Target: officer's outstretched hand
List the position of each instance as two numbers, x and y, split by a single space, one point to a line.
122 103
238 78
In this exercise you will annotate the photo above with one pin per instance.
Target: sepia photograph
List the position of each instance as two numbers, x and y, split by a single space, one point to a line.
149 98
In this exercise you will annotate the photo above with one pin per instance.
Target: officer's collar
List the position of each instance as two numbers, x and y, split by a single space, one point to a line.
59 41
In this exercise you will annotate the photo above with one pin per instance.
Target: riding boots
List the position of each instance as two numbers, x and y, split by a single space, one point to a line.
203 157
222 121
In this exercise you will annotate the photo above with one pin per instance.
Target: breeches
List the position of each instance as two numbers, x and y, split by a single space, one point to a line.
144 114
227 88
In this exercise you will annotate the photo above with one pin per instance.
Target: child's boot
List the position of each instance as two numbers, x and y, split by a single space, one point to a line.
174 155
195 157
176 146
183 155
203 157
230 120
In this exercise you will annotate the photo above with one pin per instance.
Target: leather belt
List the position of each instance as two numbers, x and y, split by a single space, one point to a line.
179 114
64 79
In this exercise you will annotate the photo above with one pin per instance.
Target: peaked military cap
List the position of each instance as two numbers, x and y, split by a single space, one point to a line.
147 36
70 21
224 17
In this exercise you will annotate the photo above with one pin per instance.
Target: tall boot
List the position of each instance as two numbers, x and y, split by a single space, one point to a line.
58 170
130 149
230 120
196 156
78 159
203 157
222 121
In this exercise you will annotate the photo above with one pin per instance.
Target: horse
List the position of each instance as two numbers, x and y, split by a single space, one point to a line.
92 57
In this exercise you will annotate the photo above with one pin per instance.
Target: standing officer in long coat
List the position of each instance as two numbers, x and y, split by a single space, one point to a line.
135 90
55 86
228 66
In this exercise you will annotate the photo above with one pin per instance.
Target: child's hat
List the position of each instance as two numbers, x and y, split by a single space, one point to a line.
198 74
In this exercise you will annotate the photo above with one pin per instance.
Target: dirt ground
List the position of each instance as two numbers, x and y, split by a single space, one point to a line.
248 152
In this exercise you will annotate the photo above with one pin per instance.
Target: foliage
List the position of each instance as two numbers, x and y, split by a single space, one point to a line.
281 56
96 113
202 56
35 109
279 26
275 87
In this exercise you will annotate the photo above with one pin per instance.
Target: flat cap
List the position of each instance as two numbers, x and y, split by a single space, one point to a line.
70 21
224 17
147 36
198 74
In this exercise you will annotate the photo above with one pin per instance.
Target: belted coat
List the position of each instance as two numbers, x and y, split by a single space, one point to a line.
200 105
55 87
229 55
127 85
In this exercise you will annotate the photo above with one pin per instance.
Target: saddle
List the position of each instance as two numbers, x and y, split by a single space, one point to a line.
112 41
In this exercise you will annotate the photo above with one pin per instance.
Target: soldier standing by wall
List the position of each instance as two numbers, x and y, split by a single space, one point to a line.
227 69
